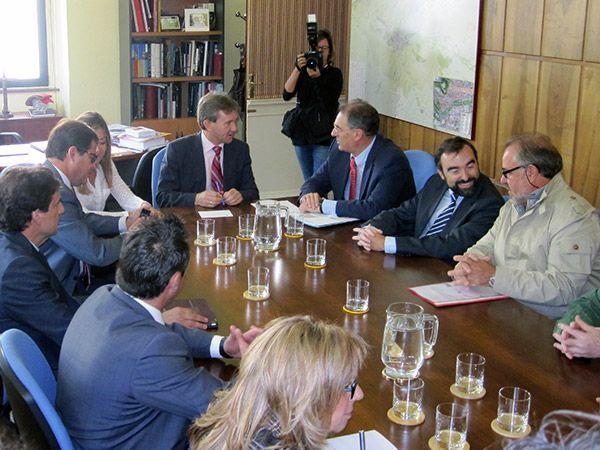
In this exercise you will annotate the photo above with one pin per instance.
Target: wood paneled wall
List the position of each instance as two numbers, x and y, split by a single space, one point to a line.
538 71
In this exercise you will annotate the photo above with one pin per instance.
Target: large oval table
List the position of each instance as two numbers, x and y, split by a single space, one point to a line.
515 340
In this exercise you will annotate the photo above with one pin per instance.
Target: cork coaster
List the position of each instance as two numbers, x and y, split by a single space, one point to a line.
254 298
499 430
358 313
240 238
292 236
460 394
387 377
400 421
203 244
433 445
216 262
310 266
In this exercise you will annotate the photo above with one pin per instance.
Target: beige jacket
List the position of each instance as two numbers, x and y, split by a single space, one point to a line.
550 255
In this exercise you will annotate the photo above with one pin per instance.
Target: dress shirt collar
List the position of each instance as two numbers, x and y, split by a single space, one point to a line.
207 146
532 200
361 159
154 312
63 177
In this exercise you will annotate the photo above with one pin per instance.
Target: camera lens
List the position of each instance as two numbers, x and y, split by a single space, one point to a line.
312 63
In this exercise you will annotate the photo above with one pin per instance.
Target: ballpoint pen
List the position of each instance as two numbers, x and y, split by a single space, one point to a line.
361 440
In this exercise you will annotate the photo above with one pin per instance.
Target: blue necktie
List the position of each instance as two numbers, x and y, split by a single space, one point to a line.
443 217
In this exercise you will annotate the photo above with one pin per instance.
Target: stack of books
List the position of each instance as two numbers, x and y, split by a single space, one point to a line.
139 138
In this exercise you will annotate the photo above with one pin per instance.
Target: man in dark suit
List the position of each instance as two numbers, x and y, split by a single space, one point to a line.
32 299
126 380
450 213
366 172
210 168
83 239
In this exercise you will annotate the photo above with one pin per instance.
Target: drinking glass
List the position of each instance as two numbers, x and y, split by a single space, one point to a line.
430 332
513 409
258 283
294 226
226 251
316 252
470 371
408 397
451 425
402 348
357 296
205 232
245 226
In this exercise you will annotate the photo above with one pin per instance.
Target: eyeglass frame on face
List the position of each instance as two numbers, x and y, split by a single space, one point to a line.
351 388
323 47
93 156
505 172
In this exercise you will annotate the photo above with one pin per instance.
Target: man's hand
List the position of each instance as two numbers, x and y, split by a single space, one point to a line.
237 342
133 218
208 199
472 270
232 197
578 339
369 238
186 317
310 203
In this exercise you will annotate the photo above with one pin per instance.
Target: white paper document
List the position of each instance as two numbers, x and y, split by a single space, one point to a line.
446 294
315 220
373 440
215 214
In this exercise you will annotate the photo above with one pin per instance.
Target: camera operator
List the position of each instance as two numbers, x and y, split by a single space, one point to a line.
317 91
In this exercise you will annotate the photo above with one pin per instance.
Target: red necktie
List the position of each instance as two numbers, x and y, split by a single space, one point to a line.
216 175
352 179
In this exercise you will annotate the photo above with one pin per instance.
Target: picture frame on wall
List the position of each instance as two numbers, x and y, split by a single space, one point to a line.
197 19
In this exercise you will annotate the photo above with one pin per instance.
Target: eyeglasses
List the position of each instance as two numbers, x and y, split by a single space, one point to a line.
323 47
351 388
505 172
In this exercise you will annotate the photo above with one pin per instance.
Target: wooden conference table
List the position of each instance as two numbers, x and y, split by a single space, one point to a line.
515 340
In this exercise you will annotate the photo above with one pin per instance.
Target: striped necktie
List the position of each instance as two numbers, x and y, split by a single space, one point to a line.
216 175
443 217
352 193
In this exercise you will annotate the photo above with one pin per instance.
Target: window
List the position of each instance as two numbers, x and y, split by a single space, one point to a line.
23 49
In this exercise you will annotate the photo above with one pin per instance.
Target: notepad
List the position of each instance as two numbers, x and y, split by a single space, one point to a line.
373 440
446 294
215 214
315 220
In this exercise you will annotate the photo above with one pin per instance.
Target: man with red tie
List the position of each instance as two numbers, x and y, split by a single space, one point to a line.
210 168
366 172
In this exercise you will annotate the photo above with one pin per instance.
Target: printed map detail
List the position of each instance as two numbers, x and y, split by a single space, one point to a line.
398 50
453 106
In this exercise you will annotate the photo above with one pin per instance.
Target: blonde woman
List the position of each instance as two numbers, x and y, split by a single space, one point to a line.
105 180
297 383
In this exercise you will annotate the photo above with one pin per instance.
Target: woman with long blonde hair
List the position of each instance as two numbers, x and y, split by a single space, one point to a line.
297 383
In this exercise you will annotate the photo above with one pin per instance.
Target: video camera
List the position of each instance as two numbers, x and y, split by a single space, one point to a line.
314 58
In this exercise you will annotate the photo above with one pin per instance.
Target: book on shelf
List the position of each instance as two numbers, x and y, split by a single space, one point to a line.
447 294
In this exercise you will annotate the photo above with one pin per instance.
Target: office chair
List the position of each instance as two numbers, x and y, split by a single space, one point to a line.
422 165
16 137
156 162
31 389
141 184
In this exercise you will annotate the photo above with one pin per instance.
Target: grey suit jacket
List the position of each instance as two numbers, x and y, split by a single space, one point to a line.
78 238
183 173
31 297
387 180
127 381
471 220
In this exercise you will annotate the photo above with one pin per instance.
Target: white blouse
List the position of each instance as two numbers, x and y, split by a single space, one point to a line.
99 192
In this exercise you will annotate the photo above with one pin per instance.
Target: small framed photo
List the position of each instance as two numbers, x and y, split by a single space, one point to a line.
170 23
197 19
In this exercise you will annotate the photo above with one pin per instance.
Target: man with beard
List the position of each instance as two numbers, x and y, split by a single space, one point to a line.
450 213
544 248
210 168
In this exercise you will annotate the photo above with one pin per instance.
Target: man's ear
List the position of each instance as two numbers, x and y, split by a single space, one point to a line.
441 174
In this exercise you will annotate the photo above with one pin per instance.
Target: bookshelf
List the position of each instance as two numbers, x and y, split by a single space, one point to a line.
171 70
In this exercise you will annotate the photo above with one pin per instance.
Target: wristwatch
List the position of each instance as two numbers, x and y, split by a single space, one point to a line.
492 281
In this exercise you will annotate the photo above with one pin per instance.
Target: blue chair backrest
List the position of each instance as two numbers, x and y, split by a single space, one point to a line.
422 165
31 388
156 162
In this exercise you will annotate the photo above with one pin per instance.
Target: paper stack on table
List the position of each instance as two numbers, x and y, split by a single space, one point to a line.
374 440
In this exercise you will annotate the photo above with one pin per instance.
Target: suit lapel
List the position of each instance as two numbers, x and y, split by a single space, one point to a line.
196 164
431 202
367 172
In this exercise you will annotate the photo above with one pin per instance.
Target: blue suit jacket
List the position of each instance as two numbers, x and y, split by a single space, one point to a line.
183 173
127 381
386 181
31 297
77 239
471 220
